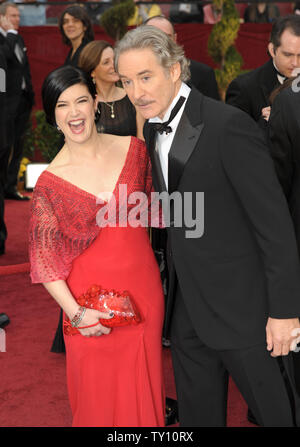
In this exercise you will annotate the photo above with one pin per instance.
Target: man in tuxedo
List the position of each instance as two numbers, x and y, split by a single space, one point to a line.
202 76
20 95
203 79
284 134
251 91
235 288
4 152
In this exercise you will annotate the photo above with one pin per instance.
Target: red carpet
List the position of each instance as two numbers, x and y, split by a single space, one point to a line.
33 388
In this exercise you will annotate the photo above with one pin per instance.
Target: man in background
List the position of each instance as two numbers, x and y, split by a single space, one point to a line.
202 76
20 95
4 151
251 91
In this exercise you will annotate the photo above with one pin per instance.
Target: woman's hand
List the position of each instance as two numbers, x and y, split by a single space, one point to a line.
91 317
60 291
266 113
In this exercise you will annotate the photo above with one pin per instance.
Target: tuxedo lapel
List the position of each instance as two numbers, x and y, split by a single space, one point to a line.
269 81
187 134
158 178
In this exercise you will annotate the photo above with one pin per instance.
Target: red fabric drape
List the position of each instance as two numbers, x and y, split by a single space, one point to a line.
47 52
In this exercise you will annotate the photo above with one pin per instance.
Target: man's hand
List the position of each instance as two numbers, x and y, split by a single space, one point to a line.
5 23
280 335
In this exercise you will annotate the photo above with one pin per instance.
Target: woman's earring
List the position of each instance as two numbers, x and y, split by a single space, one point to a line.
93 79
97 114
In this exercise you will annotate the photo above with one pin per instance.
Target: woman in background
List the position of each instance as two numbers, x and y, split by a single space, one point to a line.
115 113
261 12
76 30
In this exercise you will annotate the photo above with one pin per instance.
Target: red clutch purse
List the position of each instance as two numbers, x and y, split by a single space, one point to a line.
123 307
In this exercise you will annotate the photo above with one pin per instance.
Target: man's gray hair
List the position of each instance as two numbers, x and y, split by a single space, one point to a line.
165 49
5 5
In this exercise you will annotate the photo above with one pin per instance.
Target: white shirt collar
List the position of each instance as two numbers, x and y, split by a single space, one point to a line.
280 78
183 91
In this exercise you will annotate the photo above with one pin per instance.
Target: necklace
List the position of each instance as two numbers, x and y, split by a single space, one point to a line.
111 106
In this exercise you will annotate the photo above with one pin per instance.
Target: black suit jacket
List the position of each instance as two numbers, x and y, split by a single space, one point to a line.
203 79
17 70
245 267
284 133
3 69
73 60
250 92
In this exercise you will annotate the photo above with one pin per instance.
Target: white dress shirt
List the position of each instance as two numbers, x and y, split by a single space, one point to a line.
18 51
280 78
164 141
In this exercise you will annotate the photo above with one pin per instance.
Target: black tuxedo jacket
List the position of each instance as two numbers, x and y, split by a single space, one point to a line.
16 70
3 74
245 267
203 79
284 133
250 92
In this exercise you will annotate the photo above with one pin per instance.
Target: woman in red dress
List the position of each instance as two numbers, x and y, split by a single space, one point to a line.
114 376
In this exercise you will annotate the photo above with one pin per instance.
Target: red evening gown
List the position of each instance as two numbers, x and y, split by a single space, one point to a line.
115 380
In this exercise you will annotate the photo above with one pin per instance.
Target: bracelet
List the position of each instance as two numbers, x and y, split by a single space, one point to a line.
78 316
91 325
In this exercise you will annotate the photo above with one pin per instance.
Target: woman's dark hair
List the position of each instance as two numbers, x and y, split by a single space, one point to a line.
290 22
287 83
91 55
57 82
79 13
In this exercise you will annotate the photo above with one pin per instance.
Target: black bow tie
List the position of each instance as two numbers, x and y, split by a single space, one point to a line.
280 74
164 127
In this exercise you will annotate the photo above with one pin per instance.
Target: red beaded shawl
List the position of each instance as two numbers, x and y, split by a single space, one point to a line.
63 216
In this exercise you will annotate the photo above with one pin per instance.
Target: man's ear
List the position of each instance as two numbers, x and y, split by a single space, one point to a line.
271 49
175 71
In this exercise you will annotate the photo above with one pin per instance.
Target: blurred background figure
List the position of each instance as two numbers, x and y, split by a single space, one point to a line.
211 14
4 150
76 30
202 76
186 12
261 12
143 12
32 14
95 9
297 8
20 94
